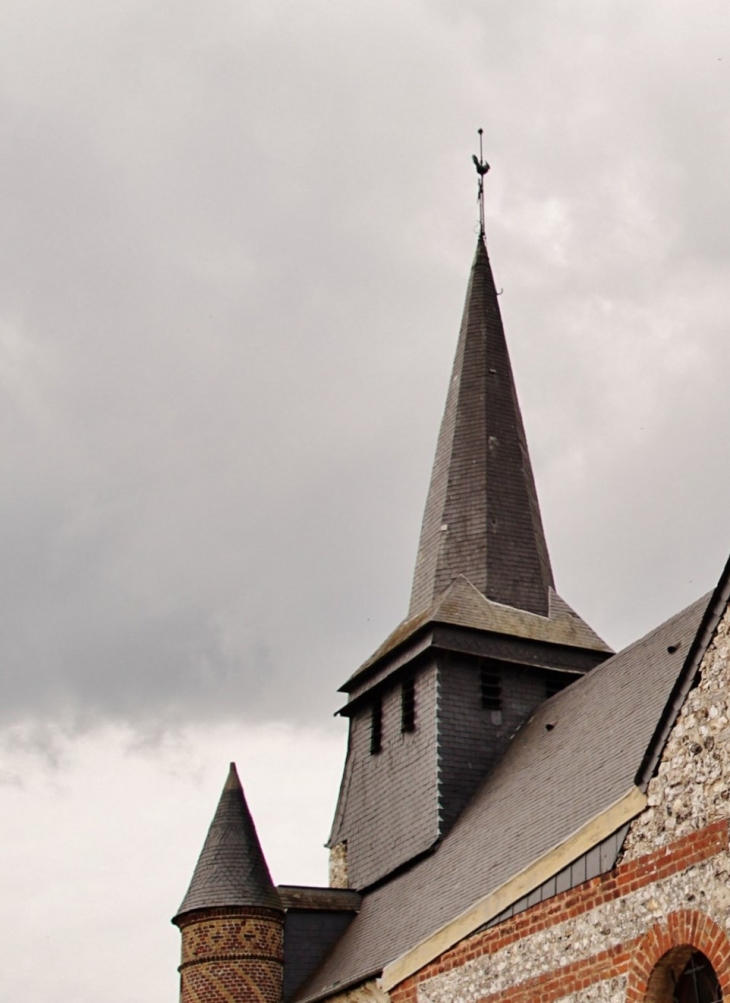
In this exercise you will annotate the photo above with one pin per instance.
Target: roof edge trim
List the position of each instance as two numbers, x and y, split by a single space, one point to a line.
545 867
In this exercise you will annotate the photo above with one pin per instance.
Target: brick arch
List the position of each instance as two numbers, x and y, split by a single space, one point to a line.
665 949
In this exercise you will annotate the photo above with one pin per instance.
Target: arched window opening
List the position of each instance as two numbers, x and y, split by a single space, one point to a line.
698 982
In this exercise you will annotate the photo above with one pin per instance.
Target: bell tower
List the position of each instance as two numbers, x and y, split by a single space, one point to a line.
486 639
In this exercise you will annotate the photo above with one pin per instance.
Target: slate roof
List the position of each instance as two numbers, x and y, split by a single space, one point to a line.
601 728
482 518
231 869
463 605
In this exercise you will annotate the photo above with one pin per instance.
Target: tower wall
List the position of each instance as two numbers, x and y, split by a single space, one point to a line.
232 955
472 739
388 811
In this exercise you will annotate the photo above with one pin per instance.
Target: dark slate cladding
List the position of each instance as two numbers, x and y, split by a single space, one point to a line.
389 801
312 898
308 938
599 859
472 738
482 518
395 804
231 869
315 920
575 757
483 588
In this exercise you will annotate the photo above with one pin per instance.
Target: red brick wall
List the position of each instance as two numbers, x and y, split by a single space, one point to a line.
231 956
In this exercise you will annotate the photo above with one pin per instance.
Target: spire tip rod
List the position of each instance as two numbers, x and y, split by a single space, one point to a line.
482 167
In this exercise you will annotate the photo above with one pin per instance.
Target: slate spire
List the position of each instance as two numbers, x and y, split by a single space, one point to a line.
231 869
482 517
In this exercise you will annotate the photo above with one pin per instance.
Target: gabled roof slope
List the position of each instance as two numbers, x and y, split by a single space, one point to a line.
549 783
482 517
231 869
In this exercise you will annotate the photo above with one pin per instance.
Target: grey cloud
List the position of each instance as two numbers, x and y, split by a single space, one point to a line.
234 250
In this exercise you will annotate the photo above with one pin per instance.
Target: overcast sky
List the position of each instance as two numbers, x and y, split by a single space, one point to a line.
235 241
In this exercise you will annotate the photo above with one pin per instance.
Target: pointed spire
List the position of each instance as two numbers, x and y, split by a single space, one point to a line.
231 869
482 518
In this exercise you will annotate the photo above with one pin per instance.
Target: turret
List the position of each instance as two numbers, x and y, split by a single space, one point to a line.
231 918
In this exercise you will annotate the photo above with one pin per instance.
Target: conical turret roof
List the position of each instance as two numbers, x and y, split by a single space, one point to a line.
231 869
482 518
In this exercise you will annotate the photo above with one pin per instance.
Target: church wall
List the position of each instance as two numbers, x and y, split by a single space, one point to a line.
600 941
391 807
584 944
692 784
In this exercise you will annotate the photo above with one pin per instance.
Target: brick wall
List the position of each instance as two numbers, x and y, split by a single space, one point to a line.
308 936
231 955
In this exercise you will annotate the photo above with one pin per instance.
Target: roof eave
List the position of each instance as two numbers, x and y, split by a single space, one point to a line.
441 637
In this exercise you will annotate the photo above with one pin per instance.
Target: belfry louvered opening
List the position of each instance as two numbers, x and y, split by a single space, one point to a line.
408 704
490 680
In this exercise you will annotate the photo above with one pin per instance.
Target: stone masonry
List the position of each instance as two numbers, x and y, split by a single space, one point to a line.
692 785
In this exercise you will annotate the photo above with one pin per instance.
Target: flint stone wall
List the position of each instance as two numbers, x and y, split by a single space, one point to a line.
607 991
692 785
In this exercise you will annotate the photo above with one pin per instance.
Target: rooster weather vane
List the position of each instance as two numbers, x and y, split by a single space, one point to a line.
482 167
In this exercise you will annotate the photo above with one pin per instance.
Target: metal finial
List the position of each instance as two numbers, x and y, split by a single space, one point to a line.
482 167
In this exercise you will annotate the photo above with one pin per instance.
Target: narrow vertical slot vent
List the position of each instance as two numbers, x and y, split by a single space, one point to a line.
408 705
491 686
376 726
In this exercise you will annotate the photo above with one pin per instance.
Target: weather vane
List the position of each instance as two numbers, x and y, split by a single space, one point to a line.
482 167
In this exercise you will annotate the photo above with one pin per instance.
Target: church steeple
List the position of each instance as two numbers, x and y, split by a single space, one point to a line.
482 518
486 638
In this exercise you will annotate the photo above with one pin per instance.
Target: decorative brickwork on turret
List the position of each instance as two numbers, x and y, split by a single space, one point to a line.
232 956
231 919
